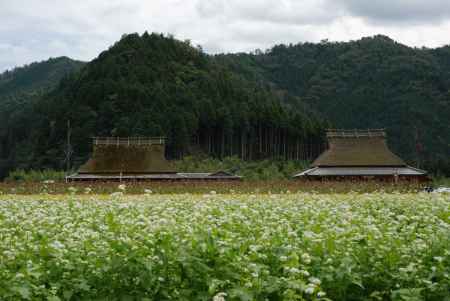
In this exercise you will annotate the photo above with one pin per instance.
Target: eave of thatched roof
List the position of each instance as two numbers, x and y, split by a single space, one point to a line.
361 171
181 176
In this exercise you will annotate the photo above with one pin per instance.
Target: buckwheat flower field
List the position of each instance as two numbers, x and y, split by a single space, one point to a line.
290 246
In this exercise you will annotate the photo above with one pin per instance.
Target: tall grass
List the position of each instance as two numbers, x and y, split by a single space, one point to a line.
21 175
251 170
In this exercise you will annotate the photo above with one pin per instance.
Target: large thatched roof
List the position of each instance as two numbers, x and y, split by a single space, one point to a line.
127 156
357 148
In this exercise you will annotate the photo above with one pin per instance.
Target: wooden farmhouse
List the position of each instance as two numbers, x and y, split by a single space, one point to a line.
360 155
136 159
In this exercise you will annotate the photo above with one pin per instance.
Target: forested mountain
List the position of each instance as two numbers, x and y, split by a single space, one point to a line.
20 89
370 83
37 77
258 105
152 85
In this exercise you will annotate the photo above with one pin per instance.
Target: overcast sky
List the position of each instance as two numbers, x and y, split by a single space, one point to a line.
34 30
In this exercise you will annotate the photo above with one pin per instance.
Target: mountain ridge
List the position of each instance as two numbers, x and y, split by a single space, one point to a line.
41 75
134 87
374 82
155 85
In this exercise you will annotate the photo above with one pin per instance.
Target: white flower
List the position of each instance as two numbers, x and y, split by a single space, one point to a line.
219 297
304 273
315 280
306 258
438 258
308 234
57 245
122 187
116 194
72 189
254 248
310 290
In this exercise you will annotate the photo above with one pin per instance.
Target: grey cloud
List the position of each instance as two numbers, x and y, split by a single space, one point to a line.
33 30
299 12
407 12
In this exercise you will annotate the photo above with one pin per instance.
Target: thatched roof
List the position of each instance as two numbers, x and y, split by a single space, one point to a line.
127 156
357 148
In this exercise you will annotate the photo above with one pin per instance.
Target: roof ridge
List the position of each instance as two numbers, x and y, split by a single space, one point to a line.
355 133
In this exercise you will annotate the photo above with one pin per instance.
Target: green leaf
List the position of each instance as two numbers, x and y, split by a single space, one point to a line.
241 293
24 291
67 294
407 294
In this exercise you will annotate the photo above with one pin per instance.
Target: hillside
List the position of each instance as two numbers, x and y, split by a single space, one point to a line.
37 77
251 105
20 89
369 83
153 85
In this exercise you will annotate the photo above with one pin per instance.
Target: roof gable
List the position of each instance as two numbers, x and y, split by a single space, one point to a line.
127 155
357 148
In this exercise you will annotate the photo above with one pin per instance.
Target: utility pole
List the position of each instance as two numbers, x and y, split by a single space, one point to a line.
419 146
69 149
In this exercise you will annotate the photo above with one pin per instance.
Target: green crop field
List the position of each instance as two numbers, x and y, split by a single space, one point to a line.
290 246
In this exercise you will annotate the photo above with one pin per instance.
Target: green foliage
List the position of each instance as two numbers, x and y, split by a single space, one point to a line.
20 90
250 170
225 247
441 180
21 175
37 77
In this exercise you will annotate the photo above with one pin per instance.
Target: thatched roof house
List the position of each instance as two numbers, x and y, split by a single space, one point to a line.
135 159
360 154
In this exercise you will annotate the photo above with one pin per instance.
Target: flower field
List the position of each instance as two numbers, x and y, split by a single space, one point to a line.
291 246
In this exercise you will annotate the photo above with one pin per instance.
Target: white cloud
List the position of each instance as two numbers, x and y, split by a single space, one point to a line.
34 30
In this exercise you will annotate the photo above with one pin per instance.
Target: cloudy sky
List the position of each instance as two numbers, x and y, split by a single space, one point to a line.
34 30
